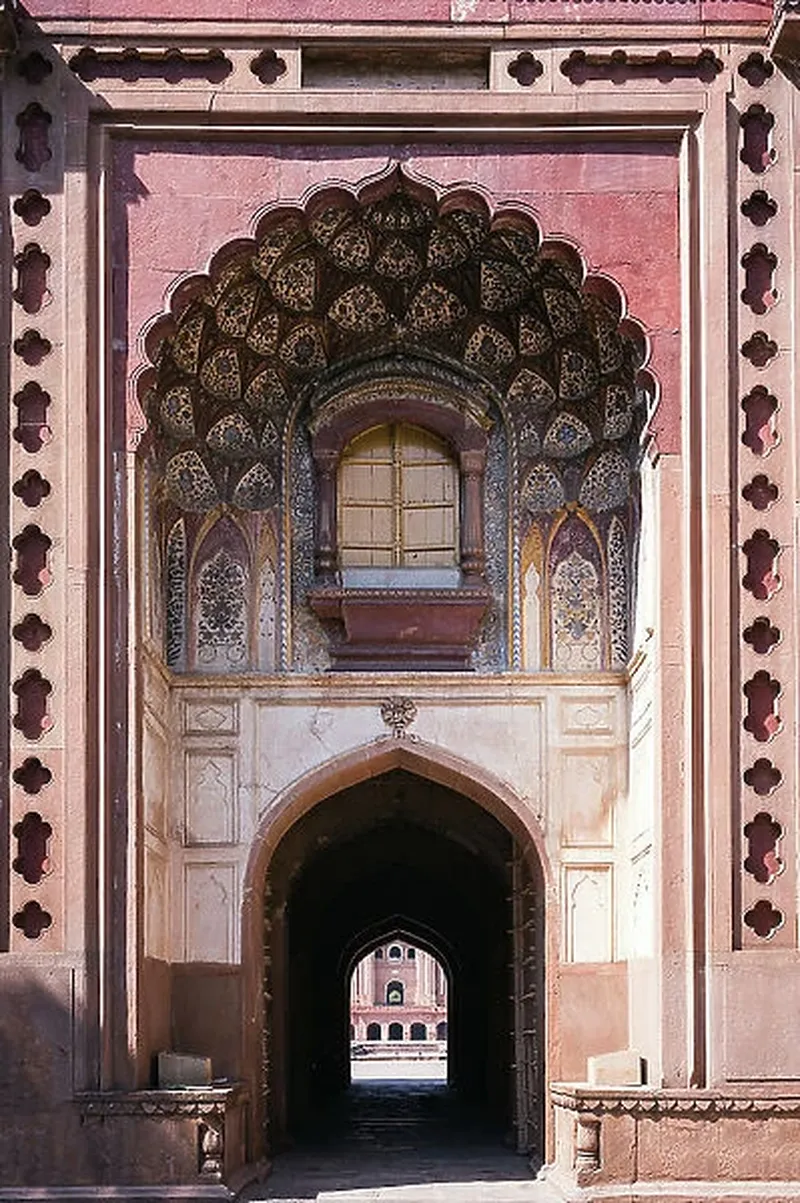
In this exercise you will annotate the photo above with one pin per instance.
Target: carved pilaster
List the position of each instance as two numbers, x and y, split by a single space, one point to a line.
473 554
326 552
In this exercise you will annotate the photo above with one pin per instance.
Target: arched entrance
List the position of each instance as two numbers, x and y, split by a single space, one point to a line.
397 837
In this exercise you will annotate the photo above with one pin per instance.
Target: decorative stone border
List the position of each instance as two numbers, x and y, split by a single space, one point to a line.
693 1104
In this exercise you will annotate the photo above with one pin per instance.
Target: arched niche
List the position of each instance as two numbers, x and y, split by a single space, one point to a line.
392 303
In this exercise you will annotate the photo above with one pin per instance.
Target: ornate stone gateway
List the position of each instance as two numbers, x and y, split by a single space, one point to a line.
372 569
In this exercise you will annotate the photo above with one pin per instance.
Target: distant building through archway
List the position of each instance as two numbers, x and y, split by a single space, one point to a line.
415 997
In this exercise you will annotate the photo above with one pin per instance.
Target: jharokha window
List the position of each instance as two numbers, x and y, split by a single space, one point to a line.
399 534
398 501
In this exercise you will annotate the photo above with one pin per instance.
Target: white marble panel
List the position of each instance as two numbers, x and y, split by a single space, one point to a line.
210 797
210 912
589 792
504 740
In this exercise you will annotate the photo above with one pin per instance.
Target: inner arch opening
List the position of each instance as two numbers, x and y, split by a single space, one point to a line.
399 982
401 861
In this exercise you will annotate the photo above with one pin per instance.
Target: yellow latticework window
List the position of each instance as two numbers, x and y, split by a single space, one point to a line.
398 500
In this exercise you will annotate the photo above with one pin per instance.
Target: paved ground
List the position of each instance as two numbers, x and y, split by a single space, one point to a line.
404 1140
384 1070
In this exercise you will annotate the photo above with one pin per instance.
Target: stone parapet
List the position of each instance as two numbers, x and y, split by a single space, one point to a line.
206 1122
622 1143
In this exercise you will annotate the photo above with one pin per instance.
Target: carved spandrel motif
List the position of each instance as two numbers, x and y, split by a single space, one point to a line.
219 717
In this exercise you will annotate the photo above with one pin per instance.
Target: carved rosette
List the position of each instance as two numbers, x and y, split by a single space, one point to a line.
398 714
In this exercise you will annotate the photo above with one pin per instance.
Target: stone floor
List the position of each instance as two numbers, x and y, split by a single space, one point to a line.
404 1141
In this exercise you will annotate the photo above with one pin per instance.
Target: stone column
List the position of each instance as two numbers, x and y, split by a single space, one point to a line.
473 555
326 550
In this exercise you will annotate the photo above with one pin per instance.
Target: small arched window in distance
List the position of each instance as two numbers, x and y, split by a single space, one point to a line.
395 994
395 1031
373 1031
419 1031
395 952
398 501
352 1032
378 954
411 954
441 1030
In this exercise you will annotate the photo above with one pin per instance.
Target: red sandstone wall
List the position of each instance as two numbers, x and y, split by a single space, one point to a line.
176 204
457 11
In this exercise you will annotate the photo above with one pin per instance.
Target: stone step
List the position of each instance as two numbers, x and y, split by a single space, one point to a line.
447 1192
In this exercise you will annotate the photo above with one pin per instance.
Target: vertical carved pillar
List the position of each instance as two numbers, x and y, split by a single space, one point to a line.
764 837
34 155
473 550
326 551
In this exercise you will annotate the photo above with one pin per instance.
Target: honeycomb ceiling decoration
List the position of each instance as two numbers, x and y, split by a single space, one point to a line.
353 279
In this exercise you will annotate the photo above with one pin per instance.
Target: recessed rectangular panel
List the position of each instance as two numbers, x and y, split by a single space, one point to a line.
210 798
588 797
210 912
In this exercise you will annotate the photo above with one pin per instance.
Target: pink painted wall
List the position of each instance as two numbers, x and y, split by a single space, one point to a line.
177 204
443 11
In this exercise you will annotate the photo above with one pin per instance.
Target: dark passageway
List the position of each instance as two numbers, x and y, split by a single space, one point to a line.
380 1136
396 853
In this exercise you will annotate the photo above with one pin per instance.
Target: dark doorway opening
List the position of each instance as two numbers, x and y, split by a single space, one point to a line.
401 854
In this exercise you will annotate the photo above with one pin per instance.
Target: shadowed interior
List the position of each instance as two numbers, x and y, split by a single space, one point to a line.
395 852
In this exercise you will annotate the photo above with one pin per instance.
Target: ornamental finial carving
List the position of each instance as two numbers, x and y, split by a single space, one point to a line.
398 713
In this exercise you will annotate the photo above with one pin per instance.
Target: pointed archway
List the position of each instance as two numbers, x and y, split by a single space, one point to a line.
397 826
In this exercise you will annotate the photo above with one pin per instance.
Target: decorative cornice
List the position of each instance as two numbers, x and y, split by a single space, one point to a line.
461 595
163 1104
690 1104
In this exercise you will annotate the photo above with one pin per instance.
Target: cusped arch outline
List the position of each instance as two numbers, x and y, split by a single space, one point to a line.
389 269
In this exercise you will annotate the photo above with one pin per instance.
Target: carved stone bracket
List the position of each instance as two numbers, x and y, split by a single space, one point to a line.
405 629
